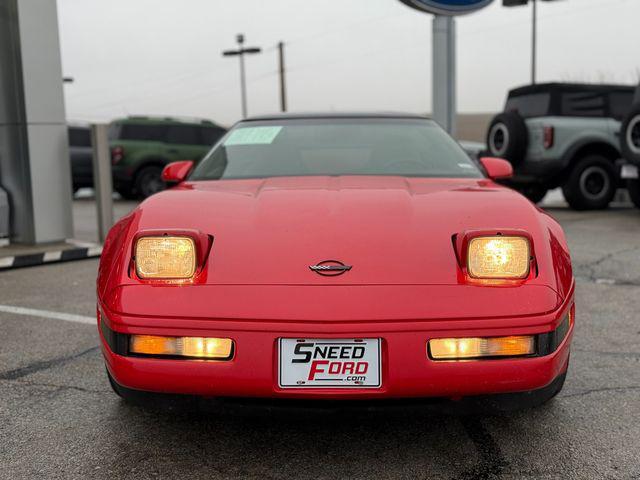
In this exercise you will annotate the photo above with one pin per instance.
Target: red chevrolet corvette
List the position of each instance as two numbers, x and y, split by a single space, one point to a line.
337 257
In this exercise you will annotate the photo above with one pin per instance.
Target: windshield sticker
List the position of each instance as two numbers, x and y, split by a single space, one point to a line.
253 136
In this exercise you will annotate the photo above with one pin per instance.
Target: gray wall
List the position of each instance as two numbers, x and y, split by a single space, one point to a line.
34 158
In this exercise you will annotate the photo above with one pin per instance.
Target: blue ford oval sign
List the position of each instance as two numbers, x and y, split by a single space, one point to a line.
447 7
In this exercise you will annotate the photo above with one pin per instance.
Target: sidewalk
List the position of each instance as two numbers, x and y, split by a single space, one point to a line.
83 245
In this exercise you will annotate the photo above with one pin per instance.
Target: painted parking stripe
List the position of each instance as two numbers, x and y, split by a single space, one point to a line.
32 312
52 256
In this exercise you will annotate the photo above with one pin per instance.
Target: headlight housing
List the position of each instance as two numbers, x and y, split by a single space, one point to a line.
499 257
165 257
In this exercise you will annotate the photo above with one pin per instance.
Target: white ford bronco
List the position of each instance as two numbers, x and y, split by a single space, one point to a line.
564 135
630 146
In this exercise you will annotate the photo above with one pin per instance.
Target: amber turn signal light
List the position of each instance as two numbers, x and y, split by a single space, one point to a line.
193 347
470 348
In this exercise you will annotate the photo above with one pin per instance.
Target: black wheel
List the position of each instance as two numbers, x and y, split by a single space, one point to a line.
633 187
630 135
149 181
591 184
126 193
508 137
535 192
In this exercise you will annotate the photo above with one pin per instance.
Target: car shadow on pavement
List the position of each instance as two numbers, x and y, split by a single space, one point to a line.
245 440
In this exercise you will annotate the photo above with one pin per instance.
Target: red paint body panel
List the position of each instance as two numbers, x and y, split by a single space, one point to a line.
497 168
176 172
329 304
406 285
407 372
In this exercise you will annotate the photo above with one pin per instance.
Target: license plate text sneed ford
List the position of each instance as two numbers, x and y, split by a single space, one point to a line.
329 363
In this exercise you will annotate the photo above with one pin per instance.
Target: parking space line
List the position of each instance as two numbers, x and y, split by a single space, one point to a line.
32 312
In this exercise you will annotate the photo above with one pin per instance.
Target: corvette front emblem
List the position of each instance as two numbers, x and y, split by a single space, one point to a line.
330 268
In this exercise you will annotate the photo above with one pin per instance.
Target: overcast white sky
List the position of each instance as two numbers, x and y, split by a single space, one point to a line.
164 57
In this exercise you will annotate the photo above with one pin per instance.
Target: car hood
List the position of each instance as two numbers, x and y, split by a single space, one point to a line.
391 230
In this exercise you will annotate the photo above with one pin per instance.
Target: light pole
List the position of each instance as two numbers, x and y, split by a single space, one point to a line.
534 32
534 43
241 52
283 82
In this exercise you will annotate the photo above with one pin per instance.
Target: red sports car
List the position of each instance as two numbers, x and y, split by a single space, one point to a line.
338 257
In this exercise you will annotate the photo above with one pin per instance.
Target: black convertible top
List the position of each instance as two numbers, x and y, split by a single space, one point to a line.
570 87
311 115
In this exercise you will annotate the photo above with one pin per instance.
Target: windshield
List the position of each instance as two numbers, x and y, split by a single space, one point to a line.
331 147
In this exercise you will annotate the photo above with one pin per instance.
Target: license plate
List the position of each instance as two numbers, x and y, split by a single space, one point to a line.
329 363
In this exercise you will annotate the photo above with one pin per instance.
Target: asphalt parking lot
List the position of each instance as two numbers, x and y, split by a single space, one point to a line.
59 418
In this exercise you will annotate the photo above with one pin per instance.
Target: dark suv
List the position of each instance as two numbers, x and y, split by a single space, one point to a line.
81 155
142 146
563 135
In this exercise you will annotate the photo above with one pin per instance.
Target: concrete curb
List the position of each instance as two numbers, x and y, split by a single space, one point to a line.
79 252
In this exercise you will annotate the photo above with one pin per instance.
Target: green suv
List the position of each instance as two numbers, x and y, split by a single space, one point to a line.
142 146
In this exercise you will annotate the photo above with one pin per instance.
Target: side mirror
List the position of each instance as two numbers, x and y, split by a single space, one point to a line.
497 168
176 172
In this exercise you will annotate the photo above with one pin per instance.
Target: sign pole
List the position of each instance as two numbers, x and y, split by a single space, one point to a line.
444 72
241 52
444 54
534 44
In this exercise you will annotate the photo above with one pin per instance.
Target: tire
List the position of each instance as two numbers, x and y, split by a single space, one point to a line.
633 187
535 192
591 184
630 136
508 137
126 193
149 181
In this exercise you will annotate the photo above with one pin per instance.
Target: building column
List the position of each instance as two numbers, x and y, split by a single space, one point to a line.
34 158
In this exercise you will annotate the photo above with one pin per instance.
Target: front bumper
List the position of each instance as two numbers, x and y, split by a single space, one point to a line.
407 372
